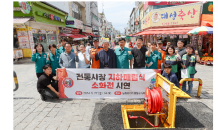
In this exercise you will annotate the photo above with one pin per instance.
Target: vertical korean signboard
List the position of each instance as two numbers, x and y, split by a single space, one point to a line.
23 38
178 15
146 21
105 83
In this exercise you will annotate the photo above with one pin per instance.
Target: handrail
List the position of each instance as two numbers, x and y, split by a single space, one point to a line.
192 79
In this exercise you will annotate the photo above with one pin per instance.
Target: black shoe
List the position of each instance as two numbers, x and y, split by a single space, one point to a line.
43 97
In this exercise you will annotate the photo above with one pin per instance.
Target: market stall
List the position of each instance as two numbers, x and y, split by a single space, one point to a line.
205 47
171 24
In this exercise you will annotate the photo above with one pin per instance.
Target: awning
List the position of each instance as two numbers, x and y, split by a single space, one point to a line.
206 19
69 35
85 34
79 35
97 36
91 34
175 30
19 22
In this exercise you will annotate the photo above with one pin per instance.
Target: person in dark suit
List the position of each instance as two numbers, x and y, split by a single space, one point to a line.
106 56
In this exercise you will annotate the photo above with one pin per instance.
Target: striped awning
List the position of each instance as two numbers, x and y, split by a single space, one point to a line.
21 20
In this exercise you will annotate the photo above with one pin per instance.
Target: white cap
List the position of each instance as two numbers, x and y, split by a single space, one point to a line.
105 41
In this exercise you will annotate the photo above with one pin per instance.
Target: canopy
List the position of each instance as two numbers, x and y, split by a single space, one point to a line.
206 19
79 35
21 20
86 34
175 30
70 35
91 34
203 30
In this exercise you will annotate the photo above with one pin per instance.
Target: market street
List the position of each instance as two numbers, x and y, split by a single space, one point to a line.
30 112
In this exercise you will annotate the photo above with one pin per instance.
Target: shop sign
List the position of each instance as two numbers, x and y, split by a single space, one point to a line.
25 7
84 29
19 25
88 30
168 2
49 16
78 24
145 5
181 15
208 8
146 21
75 31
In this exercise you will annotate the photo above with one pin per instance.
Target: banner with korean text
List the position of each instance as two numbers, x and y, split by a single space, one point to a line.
177 15
105 83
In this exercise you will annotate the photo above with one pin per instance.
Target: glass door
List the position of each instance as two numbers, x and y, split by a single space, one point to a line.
41 38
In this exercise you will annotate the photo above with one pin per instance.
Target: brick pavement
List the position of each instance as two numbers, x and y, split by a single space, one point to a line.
30 113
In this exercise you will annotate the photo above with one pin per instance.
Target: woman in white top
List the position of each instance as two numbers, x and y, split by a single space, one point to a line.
84 57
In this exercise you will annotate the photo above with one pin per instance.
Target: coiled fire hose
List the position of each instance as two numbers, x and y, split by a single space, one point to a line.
153 103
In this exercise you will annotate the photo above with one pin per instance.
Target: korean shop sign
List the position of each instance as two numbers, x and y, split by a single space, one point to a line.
49 16
25 7
169 2
146 21
180 15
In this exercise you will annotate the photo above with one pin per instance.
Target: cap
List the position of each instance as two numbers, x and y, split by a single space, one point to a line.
159 41
95 39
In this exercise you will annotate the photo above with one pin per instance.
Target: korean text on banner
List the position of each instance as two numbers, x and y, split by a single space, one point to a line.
177 15
105 83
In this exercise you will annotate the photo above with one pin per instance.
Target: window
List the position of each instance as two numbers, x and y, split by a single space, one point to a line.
95 17
76 11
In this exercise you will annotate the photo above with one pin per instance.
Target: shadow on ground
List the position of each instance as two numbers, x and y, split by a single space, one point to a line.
189 116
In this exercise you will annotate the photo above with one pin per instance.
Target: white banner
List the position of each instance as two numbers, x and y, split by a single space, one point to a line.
105 83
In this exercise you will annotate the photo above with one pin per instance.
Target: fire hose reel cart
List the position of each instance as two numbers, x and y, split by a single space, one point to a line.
158 110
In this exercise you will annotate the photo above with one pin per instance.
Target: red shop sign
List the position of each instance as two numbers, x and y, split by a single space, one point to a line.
75 31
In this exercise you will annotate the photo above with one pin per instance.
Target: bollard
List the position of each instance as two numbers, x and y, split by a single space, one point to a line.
15 81
192 79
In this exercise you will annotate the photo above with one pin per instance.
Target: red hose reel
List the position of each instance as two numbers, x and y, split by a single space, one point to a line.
153 103
153 100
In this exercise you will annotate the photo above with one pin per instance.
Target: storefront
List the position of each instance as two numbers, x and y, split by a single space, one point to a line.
41 27
207 40
172 23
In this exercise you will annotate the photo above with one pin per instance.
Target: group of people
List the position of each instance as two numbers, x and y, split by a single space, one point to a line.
171 60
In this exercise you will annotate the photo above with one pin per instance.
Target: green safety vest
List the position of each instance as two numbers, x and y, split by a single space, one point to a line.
54 61
191 65
172 61
40 61
123 57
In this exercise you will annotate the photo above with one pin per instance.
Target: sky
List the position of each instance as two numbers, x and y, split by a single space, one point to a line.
117 12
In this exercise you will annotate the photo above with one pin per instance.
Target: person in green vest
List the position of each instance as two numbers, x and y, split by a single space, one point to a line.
62 49
39 57
53 58
123 55
172 58
151 62
188 62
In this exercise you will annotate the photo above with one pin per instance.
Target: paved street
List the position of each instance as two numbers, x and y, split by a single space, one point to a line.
30 113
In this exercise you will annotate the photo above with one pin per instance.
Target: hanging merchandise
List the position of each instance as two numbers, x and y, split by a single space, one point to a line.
180 36
185 36
172 36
